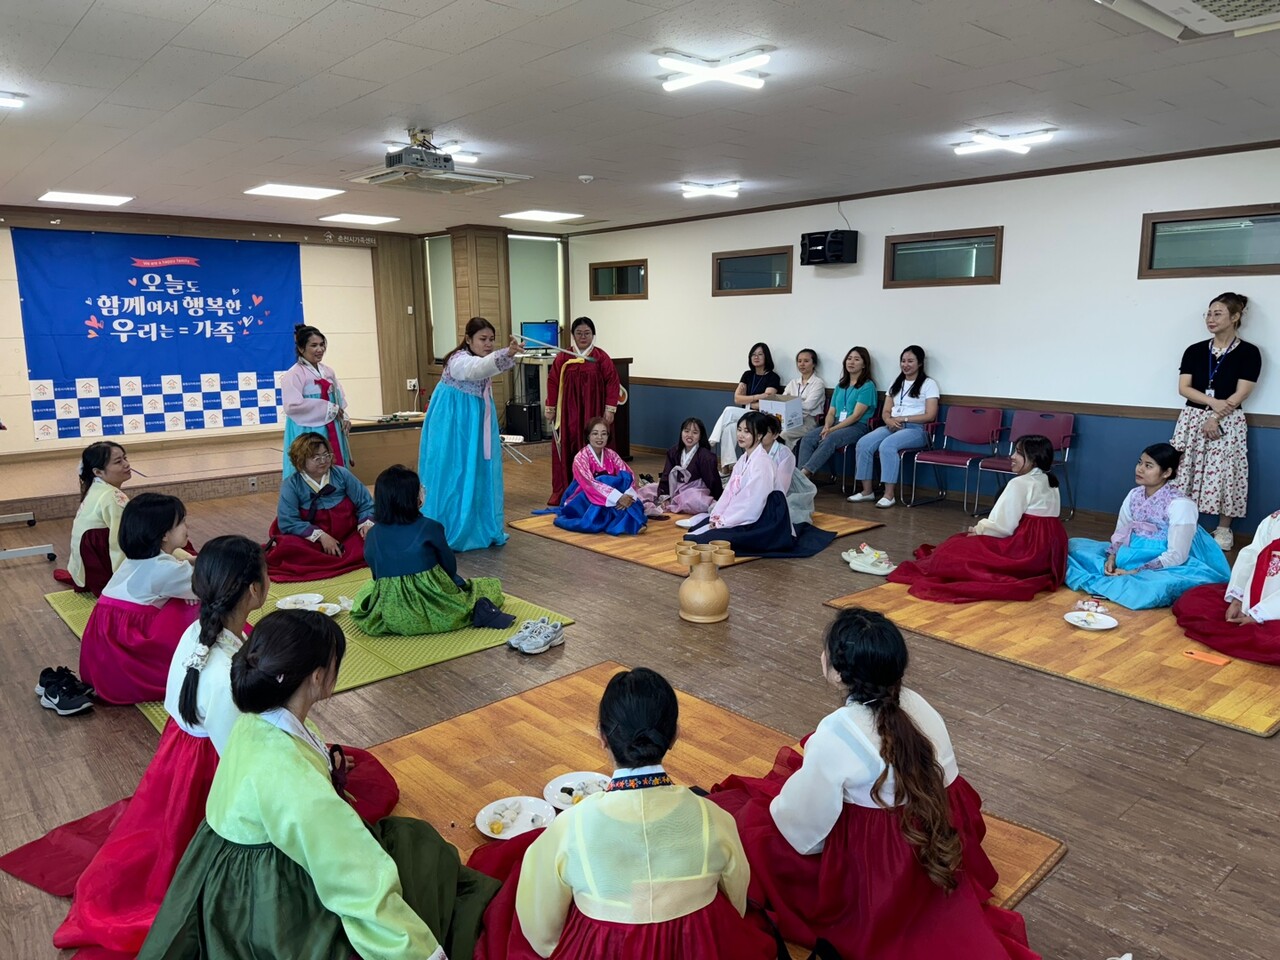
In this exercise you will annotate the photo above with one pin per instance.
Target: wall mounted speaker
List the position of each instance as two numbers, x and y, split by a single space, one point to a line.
830 246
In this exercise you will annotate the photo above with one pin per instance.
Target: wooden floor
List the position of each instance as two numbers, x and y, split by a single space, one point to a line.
1173 823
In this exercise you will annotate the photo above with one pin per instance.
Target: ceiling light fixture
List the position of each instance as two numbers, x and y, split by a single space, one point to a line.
543 216
360 218
91 199
1020 143
703 71
531 236
453 149
729 188
15 101
293 192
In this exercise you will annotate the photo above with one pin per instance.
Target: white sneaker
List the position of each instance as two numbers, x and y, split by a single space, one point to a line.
861 497
1224 538
885 503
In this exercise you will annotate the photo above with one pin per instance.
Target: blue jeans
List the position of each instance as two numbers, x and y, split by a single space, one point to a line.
890 443
815 452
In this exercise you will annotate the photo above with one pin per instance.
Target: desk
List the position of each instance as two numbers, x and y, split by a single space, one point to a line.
376 446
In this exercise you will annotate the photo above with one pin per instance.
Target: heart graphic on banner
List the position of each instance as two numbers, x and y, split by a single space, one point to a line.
92 335
235 290
266 313
256 299
259 323
133 281
94 322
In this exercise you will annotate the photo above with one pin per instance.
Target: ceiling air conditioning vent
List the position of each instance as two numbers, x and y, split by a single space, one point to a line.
428 171
1183 20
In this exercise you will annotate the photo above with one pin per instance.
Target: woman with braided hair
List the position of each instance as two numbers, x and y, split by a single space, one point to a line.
865 835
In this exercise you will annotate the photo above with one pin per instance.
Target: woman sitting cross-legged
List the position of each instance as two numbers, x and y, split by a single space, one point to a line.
1158 550
690 481
1244 620
646 869
415 587
1016 551
323 515
866 835
142 613
602 497
853 404
282 866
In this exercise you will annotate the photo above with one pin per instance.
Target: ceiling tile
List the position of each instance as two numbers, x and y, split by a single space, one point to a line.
583 21
171 76
464 24
87 69
236 32
387 61
123 34
238 92
26 45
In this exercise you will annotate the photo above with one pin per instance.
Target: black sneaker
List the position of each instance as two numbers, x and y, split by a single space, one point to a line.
51 674
64 697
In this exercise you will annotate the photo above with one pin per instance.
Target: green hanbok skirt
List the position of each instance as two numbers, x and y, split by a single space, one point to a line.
230 901
418 603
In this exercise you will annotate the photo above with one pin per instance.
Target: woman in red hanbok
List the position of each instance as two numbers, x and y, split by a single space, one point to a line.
866 836
578 388
1244 620
1016 551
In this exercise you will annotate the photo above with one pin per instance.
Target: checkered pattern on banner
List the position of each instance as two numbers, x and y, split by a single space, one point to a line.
122 406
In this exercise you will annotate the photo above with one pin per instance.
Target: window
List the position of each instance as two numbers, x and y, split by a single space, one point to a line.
440 296
1221 242
620 280
944 259
736 273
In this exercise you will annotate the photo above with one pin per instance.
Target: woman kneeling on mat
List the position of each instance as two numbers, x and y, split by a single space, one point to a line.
415 587
1158 550
1245 621
602 497
645 868
866 836
282 866
323 515
1013 553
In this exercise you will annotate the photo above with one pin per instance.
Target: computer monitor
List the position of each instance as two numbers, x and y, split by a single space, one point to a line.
543 331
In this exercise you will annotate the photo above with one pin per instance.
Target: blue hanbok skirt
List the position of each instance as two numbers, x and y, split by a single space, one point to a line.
1150 588
463 489
580 515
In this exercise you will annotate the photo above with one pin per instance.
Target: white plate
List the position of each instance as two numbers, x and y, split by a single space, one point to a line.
562 801
300 601
529 808
328 609
1090 621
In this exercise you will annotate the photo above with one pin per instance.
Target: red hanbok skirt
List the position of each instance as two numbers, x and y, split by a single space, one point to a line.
127 647
715 931
1201 612
964 568
95 555
293 559
866 893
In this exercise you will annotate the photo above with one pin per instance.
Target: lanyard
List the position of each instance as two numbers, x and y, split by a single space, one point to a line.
1214 364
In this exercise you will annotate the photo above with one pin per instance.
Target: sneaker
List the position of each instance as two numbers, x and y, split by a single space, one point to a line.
861 497
1224 538
884 503
527 630
51 674
548 636
64 699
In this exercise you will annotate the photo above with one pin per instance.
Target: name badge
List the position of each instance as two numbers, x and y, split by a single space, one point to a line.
1209 393
844 415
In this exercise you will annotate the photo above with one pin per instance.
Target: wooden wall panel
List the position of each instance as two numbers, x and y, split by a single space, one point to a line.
482 289
397 289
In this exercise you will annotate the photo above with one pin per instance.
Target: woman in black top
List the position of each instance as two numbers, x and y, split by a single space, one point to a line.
758 381
1216 377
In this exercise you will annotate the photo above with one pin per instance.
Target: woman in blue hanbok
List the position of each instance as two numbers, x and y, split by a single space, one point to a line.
313 399
1158 550
460 458
602 497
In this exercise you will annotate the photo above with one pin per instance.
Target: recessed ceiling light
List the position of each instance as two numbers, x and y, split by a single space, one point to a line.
703 71
14 100
360 218
1020 143
296 193
729 188
545 216
94 199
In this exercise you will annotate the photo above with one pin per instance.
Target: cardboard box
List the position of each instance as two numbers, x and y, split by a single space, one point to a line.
789 411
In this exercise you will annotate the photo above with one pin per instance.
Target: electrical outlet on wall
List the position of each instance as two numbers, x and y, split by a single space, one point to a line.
411 383
253 484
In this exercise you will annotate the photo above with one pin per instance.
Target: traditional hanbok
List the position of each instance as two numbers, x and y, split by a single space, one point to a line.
1016 551
415 587
1159 536
827 861
460 458
337 504
800 491
645 869
580 387
599 482
752 514
314 402
724 431
134 628
95 537
689 483
283 867
1255 582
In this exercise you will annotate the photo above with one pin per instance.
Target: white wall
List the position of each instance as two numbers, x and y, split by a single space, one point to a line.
1068 321
337 297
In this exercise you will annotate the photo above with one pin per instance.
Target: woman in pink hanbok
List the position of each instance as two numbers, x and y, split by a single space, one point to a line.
602 497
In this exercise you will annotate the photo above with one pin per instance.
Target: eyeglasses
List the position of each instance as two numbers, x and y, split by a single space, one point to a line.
320 457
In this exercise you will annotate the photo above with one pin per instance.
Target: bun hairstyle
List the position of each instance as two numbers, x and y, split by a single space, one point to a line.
638 716
703 442
1234 302
1166 456
813 355
868 652
757 423
474 326
395 496
918 352
584 322
1038 451
285 648
145 521
302 333
96 456
225 570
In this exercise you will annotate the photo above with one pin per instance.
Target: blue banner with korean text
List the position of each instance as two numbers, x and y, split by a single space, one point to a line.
131 334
